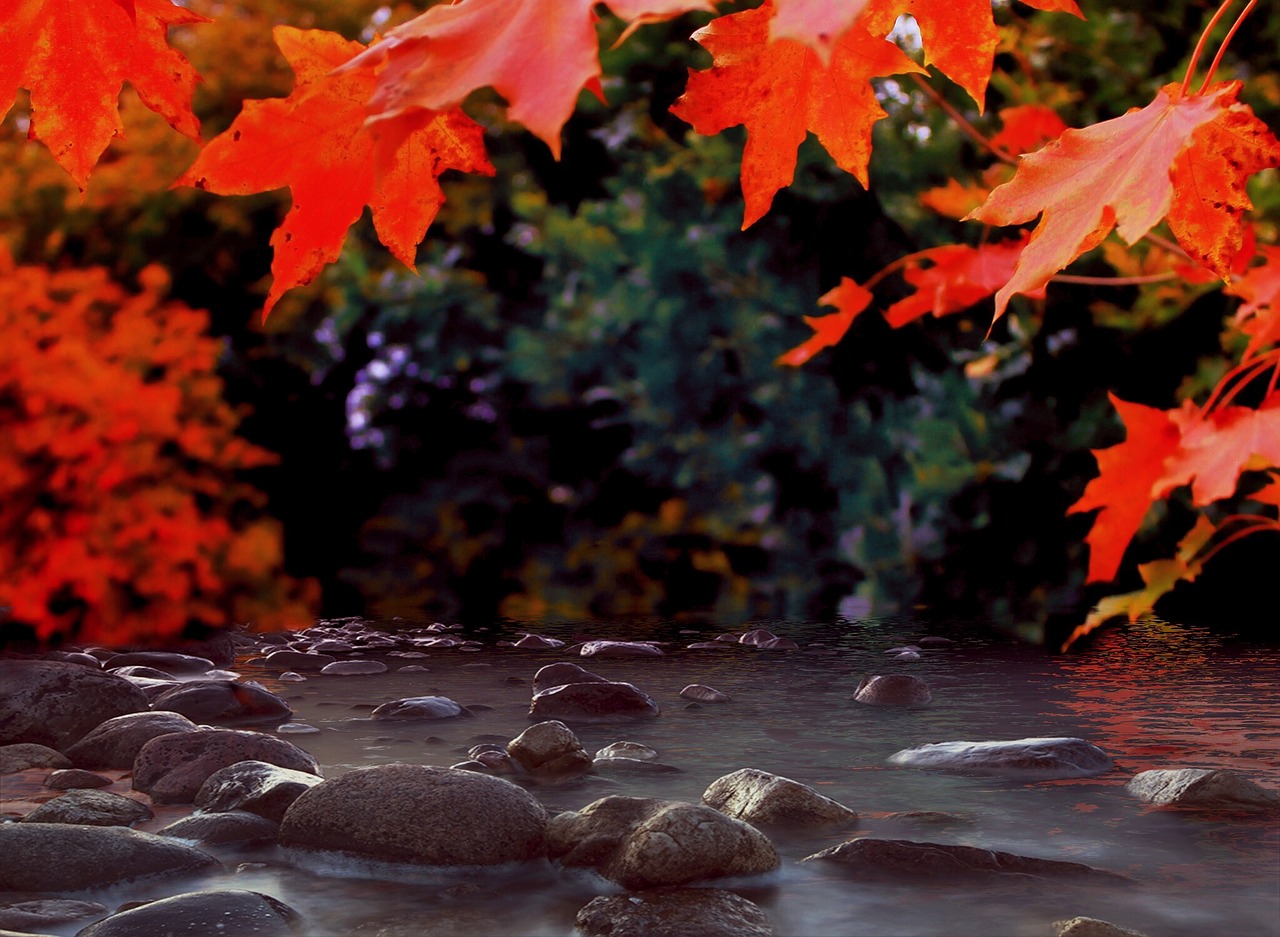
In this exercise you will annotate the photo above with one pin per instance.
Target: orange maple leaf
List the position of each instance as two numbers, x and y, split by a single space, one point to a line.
780 91
1127 475
1259 317
1216 449
850 299
1116 174
960 276
315 142
538 54
73 55
1027 127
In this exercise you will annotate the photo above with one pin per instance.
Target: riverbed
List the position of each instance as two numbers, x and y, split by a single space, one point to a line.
1152 696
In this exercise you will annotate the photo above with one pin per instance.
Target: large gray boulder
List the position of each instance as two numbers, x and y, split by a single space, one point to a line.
55 703
24 755
641 842
901 859
1031 758
116 742
419 814
66 857
765 799
226 913
255 787
674 912
223 701
593 702
92 808
173 768
1203 789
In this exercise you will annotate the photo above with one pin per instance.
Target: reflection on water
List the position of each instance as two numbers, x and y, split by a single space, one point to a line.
1152 697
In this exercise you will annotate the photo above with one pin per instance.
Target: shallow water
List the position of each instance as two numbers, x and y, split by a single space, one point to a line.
1152 696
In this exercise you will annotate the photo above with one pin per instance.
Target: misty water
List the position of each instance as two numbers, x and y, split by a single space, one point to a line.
1152 696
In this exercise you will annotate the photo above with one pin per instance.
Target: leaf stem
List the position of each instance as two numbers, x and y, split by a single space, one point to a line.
965 127
1221 397
1226 42
1204 39
1250 524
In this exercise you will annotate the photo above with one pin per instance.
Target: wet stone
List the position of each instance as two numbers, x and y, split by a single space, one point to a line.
254 787
593 702
167 662
627 750
619 649
1203 789
227 913
29 916
561 674
91 808
116 742
344 668
235 827
65 857
24 755
674 912
1091 927
1031 758
893 690
419 707
55 703
172 768
224 701
907 860
705 694
67 779
765 799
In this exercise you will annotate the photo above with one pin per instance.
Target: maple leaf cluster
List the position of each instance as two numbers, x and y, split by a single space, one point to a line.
378 125
117 464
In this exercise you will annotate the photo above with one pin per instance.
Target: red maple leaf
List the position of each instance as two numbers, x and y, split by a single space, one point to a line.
850 299
1217 448
316 143
780 91
73 55
1259 317
538 54
959 277
1116 174
1027 127
819 24
1127 475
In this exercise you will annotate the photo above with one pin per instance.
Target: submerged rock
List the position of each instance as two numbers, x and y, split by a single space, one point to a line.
765 799
1203 789
561 674
227 913
419 814
348 668
172 768
92 808
64 857
641 842
419 707
893 690
1032 758
619 649
627 750
29 916
167 662
705 694
1092 927
593 702
70 779
674 912
900 859
55 703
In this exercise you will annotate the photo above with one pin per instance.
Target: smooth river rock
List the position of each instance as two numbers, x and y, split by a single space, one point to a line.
1203 789
705 694
224 913
419 707
38 914
1092 927
893 690
641 842
172 768
560 674
70 779
419 814
550 750
1032 758
167 662
674 912
116 742
92 808
223 701
593 702
221 829
908 860
65 857
765 799
55 703
255 787
24 755
619 649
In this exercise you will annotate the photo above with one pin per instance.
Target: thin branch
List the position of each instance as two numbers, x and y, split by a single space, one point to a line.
1260 525
1204 38
1226 42
967 128
1114 281
1257 365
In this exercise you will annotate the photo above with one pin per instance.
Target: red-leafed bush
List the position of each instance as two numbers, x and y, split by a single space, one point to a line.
121 517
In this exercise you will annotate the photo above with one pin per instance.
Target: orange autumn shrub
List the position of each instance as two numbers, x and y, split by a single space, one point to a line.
121 516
